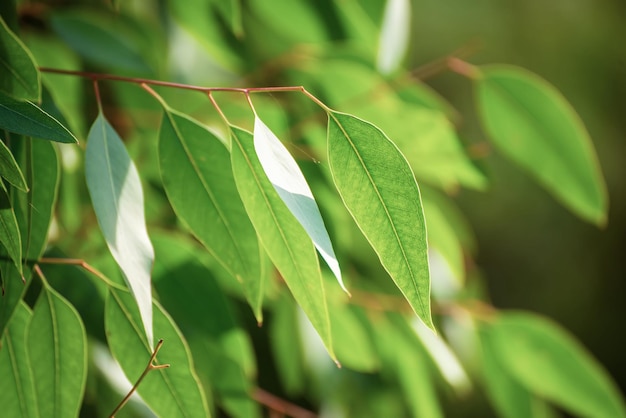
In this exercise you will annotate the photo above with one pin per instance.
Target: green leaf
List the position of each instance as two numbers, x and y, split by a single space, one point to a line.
197 176
551 363
9 229
57 347
353 340
10 170
20 77
231 13
171 392
284 239
394 35
17 392
289 182
533 125
378 188
28 119
117 196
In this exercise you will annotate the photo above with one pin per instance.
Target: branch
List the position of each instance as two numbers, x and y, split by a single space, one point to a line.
281 406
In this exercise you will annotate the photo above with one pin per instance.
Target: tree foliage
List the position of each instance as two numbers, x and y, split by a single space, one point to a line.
249 163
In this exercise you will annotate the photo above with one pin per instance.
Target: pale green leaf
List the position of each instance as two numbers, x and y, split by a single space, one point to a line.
10 170
20 77
197 176
550 363
57 348
28 119
532 124
9 229
394 35
284 239
172 392
17 392
117 196
231 13
289 182
378 188
353 340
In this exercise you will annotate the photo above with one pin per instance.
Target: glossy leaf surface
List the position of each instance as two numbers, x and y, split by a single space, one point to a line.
394 35
284 239
27 119
171 392
532 124
117 196
9 169
379 189
20 76
198 179
57 347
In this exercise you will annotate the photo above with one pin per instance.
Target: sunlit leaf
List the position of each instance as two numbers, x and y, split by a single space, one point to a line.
115 190
353 340
27 119
231 13
20 77
17 392
9 229
284 239
532 124
57 348
394 35
289 182
171 392
197 176
550 363
379 189
10 170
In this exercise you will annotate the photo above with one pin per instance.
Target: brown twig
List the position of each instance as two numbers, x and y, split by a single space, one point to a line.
280 406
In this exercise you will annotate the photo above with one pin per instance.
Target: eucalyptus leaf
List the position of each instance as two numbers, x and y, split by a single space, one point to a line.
9 169
534 125
378 188
20 77
282 236
289 182
57 348
17 390
170 392
197 176
551 363
28 119
394 35
9 229
117 196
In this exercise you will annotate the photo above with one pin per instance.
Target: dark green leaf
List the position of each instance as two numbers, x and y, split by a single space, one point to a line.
117 196
27 119
20 77
378 188
171 392
533 125
9 229
197 176
57 347
284 239
10 170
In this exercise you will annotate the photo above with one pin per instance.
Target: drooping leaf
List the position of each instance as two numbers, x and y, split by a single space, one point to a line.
231 13
17 393
533 125
550 363
284 239
353 340
10 170
394 35
20 77
9 229
57 348
28 119
171 392
197 176
289 182
379 189
117 196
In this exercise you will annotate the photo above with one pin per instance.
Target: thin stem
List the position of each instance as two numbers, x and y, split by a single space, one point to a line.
281 406
153 94
79 263
96 90
218 108
251 104
147 370
40 274
464 68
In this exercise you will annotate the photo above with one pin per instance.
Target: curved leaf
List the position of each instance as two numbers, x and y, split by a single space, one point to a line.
57 347
9 229
171 392
550 363
284 239
10 170
27 119
394 35
115 190
289 182
17 391
533 125
379 189
20 77
198 179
